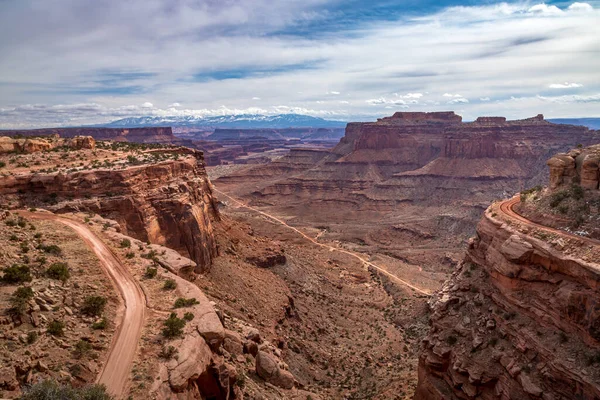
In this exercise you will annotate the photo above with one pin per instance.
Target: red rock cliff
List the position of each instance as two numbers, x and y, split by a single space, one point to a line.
168 203
519 318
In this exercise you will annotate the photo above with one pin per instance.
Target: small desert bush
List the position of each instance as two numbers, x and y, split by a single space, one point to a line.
17 273
170 284
56 328
173 326
51 390
181 302
150 272
59 271
93 306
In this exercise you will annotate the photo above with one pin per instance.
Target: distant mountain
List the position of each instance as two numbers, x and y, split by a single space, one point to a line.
242 121
592 123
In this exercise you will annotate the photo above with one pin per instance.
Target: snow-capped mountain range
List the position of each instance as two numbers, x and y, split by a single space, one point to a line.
242 121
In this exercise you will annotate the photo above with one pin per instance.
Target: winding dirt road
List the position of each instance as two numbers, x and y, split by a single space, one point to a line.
330 248
506 207
130 315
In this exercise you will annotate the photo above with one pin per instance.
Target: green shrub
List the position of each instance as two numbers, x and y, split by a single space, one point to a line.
93 306
125 243
17 273
56 328
170 284
51 249
181 302
173 326
563 208
19 300
51 390
130 255
150 272
59 271
578 192
32 336
188 316
151 255
100 325
2 164
82 349
558 197
451 340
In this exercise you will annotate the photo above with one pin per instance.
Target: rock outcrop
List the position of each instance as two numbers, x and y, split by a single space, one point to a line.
34 145
581 165
137 135
168 203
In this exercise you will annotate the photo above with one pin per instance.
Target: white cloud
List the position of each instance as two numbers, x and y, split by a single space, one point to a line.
452 95
569 99
472 50
580 7
344 102
147 105
334 93
458 100
565 85
256 98
545 9
484 99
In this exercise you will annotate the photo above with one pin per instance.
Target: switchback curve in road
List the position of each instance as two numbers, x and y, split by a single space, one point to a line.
130 317
506 207
330 248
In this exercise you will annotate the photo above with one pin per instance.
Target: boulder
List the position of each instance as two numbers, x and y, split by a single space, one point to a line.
516 249
233 343
267 367
82 142
590 172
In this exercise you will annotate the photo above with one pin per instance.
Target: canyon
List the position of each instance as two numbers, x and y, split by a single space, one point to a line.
320 270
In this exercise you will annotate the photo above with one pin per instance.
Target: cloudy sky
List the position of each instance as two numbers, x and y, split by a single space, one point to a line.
70 62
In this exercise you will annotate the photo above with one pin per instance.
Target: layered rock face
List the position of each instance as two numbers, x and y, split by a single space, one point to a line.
433 158
517 320
577 166
137 135
168 203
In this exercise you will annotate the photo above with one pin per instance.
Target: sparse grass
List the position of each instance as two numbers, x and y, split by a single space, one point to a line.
125 243
168 352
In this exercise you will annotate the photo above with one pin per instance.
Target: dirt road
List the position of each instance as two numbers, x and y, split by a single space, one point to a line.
506 207
130 315
330 248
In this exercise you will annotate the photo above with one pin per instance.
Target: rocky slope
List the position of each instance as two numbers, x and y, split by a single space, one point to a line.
519 317
162 196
